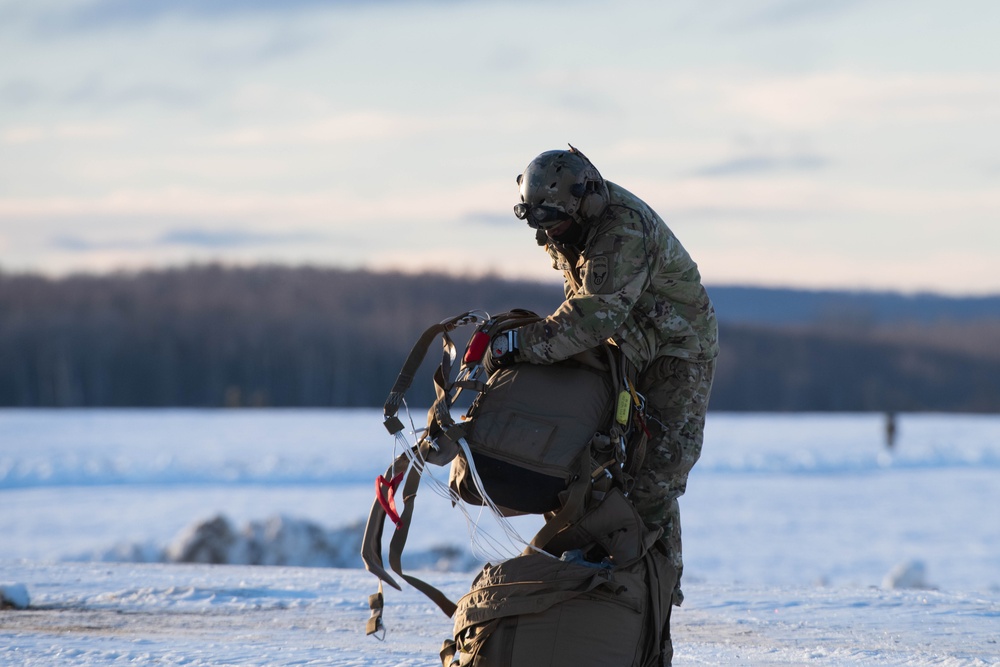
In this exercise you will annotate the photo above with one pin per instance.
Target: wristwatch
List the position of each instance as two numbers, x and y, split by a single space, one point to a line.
504 347
501 344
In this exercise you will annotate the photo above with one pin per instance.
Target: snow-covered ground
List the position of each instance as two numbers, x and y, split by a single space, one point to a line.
798 529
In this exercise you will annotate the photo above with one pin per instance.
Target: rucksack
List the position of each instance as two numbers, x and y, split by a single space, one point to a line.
558 440
537 611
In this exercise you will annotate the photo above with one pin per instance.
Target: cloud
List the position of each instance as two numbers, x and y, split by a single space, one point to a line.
187 208
761 164
281 44
785 12
350 127
193 238
95 92
490 218
108 12
822 99
28 134
231 238
19 92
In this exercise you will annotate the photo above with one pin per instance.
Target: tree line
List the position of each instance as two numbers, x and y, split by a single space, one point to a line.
270 336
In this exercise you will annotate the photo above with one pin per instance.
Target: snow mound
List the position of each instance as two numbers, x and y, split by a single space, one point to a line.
908 574
13 596
278 540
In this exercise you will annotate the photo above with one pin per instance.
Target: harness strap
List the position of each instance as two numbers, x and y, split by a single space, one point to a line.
376 602
439 446
399 541
572 509
416 356
371 546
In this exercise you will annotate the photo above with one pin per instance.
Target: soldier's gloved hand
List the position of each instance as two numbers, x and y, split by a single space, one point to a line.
591 358
503 351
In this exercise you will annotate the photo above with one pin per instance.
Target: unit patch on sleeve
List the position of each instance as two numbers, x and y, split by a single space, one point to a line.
598 279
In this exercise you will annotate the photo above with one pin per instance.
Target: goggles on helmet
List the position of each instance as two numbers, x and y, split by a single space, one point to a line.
540 217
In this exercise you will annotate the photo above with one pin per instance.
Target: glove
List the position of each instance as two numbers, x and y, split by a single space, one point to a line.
591 358
503 351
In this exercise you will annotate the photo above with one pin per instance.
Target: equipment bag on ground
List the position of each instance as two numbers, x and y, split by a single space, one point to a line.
536 611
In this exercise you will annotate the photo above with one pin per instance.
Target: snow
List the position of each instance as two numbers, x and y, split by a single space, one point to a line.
807 541
13 596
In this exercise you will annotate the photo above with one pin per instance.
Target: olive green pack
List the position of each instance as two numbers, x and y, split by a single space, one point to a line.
544 440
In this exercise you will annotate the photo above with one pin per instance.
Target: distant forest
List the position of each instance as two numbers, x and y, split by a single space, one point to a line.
208 336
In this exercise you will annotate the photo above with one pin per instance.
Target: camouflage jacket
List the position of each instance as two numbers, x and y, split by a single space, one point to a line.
632 281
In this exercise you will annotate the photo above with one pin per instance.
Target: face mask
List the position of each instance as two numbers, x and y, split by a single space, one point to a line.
572 236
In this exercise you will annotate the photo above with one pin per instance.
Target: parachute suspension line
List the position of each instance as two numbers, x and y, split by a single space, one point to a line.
484 545
513 537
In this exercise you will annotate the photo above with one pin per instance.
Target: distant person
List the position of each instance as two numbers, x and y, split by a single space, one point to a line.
626 278
890 430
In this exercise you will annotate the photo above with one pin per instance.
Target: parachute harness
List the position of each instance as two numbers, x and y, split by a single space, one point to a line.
485 545
443 440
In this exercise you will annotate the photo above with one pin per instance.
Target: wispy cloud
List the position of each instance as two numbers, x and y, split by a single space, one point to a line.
95 92
19 92
818 100
109 12
353 127
231 238
762 164
29 134
490 218
784 12
282 43
192 238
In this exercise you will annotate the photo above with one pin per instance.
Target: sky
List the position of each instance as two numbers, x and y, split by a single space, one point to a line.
821 144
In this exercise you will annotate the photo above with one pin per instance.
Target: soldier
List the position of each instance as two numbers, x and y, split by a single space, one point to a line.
628 279
890 430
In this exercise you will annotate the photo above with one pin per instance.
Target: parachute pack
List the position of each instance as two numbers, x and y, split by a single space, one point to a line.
562 441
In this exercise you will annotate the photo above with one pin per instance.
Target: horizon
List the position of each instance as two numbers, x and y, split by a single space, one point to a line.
554 281
819 146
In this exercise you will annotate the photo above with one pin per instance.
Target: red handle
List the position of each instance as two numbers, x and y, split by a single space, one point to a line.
477 347
385 493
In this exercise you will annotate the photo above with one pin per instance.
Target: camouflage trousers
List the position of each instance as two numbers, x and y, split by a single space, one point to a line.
677 393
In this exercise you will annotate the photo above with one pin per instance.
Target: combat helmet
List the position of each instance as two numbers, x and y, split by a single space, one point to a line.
560 184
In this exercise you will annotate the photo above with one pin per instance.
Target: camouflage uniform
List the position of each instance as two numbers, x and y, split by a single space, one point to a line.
630 280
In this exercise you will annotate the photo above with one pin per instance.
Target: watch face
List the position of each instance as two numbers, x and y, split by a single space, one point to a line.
500 346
